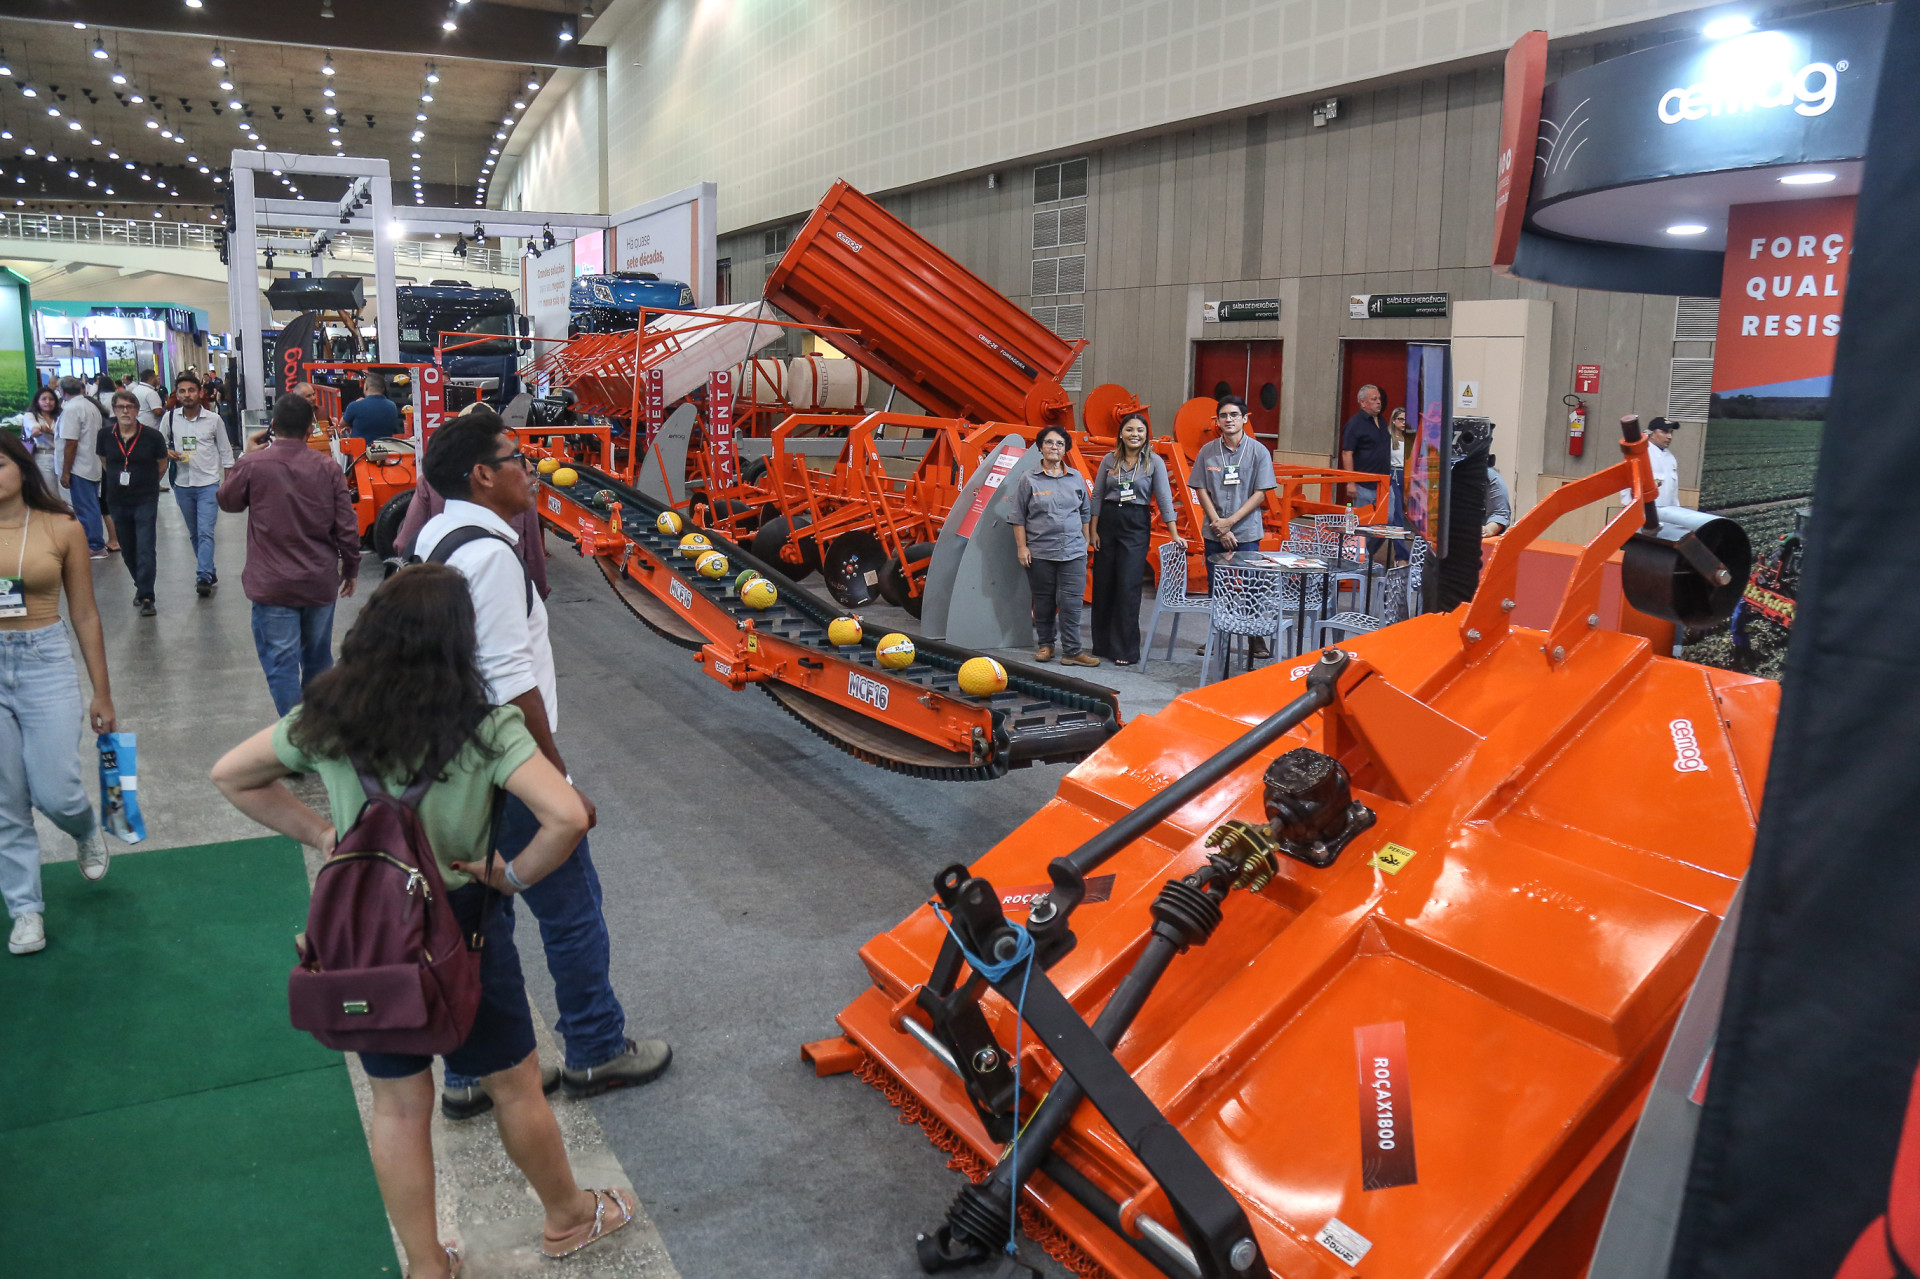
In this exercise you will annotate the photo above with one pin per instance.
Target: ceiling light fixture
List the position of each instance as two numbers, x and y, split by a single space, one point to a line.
100 48
234 105
217 60
194 4
1733 24
433 74
1687 228
566 32
533 81
27 90
6 68
135 99
326 66
1807 179
119 76
448 24
426 97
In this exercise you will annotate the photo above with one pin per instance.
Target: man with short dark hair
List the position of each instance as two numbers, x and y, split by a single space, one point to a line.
303 549
1365 445
197 444
373 416
477 467
1229 484
80 422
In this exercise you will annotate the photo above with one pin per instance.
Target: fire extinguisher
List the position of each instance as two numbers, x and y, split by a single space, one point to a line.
1576 425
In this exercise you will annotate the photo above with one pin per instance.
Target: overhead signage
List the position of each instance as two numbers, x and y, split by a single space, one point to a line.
1396 306
1800 92
1519 135
1242 309
1586 379
1781 290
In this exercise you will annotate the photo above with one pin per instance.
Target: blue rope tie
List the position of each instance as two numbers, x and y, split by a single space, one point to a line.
994 973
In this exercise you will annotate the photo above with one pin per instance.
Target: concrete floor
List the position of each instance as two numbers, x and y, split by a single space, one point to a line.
744 862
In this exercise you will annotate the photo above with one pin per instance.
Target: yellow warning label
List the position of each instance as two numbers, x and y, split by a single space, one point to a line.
753 642
1392 857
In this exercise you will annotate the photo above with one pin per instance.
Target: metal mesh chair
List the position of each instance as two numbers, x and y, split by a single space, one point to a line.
1171 597
1333 537
1247 602
1399 588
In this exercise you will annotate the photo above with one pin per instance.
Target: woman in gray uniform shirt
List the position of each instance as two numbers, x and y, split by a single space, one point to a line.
1051 521
1121 515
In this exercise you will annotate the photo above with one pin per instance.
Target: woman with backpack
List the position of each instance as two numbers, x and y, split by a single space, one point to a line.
413 646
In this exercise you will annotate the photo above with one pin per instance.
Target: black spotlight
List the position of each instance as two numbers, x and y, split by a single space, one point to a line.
547 239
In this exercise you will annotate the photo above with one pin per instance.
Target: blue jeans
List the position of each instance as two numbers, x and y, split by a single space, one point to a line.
86 506
39 756
199 510
134 523
566 904
294 644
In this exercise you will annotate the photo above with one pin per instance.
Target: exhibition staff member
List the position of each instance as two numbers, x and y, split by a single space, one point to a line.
198 438
1666 468
80 424
487 482
1127 478
1235 475
1364 445
135 458
1052 521
373 416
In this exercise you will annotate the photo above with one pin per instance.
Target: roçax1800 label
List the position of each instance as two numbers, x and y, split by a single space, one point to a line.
681 593
870 691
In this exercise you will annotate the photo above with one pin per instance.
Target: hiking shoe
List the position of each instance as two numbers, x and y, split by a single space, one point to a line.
1257 647
1044 653
29 935
203 587
464 1103
93 855
147 609
1080 659
641 1063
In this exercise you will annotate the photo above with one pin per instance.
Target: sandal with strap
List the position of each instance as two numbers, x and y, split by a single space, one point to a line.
454 1261
593 1231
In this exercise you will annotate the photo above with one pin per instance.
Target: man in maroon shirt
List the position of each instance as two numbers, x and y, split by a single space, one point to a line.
303 549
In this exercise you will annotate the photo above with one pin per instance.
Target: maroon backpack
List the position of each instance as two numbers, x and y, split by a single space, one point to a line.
384 964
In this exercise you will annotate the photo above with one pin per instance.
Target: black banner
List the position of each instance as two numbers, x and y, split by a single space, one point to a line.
1810 1098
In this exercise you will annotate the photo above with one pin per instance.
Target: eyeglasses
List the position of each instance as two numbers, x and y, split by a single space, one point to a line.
508 460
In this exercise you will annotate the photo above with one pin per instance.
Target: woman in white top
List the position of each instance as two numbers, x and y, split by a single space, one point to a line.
42 429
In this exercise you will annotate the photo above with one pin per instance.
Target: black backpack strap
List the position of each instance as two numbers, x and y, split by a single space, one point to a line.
446 546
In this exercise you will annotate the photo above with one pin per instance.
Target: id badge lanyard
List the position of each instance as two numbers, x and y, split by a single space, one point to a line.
126 456
13 590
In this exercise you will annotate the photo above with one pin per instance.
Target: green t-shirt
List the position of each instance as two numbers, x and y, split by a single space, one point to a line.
456 812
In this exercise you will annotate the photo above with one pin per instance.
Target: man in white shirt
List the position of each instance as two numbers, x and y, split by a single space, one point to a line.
197 442
143 389
1666 469
474 463
79 464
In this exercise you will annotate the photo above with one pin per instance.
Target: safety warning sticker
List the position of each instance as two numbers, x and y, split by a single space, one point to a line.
1392 857
1386 1110
1343 1241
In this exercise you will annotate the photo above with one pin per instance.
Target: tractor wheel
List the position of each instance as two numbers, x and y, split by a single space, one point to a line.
386 525
772 535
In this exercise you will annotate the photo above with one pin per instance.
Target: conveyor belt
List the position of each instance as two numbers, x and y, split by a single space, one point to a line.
1039 718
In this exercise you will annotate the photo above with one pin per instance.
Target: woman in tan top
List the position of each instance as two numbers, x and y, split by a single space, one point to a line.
43 551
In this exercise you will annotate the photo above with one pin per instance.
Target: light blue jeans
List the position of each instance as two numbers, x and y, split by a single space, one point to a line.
294 645
85 495
39 757
199 510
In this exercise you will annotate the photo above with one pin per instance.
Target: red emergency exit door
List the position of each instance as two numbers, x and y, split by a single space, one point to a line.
1250 370
1379 361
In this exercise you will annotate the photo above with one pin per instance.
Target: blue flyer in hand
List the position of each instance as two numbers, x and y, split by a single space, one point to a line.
120 787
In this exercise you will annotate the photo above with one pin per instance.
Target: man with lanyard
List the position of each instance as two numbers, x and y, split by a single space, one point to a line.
1364 445
135 458
475 465
80 468
1232 477
197 443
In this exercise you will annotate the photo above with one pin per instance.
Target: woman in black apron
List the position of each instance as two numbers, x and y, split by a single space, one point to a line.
1129 479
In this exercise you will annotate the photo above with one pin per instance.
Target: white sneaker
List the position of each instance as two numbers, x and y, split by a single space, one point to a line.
93 855
29 935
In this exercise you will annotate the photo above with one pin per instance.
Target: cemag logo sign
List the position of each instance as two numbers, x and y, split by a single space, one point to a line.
1756 72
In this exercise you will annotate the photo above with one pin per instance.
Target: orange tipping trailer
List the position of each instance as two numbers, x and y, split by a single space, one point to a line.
1380 958
922 322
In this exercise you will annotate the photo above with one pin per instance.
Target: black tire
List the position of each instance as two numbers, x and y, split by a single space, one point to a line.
754 471
772 535
893 579
386 525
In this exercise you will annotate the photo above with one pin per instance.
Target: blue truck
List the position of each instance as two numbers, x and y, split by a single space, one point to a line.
612 303
449 311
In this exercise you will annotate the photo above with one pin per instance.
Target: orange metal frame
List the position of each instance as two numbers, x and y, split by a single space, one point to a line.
1530 908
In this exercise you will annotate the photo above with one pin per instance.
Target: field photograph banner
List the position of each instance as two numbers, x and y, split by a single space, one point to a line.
16 343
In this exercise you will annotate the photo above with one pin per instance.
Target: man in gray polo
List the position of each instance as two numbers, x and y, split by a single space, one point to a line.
1231 479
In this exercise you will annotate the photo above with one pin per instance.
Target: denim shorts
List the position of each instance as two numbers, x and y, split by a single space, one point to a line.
502 1034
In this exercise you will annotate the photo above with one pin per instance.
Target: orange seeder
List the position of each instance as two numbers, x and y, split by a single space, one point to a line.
1361 966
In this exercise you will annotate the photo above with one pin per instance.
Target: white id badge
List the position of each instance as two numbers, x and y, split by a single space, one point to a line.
1126 490
13 597
188 443
126 477
1230 476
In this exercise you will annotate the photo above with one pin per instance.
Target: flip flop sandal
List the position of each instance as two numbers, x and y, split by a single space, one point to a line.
455 1261
597 1229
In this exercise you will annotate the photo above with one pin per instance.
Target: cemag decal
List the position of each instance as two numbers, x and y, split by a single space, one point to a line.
870 691
721 668
1686 748
681 594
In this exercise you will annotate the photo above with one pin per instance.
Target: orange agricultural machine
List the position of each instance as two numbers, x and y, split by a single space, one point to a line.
1361 966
